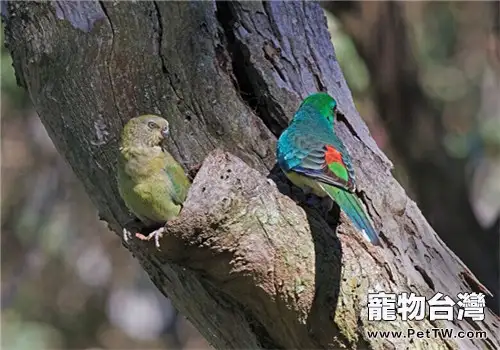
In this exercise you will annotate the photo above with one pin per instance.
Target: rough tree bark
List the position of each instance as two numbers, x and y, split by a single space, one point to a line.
439 180
243 262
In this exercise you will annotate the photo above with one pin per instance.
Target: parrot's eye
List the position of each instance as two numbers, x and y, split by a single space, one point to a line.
153 125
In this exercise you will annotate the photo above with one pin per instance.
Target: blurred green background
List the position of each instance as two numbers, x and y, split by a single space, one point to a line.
425 77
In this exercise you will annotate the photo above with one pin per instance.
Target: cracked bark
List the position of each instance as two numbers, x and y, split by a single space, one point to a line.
243 262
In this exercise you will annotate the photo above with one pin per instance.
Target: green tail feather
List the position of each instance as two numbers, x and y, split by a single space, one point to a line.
352 207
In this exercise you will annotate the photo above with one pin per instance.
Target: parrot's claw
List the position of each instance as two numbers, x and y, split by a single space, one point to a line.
126 235
272 183
157 234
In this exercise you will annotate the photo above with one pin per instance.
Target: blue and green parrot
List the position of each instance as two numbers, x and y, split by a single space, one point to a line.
315 159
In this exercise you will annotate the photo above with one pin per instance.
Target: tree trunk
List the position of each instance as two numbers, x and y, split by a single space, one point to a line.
439 180
246 265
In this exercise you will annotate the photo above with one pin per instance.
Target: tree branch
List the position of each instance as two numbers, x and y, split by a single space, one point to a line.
247 266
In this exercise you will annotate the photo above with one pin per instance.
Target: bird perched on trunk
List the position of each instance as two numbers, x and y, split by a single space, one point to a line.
150 181
315 159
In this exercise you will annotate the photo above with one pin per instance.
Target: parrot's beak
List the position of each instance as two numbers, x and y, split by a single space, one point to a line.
164 132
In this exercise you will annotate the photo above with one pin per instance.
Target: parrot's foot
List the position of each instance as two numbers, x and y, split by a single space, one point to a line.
157 234
272 183
127 235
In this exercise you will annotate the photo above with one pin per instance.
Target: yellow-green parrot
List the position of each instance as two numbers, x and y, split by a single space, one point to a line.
150 181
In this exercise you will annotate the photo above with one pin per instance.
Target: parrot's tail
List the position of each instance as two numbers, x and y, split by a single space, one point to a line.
352 207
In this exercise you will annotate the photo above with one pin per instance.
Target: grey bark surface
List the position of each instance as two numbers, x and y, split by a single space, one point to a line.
243 262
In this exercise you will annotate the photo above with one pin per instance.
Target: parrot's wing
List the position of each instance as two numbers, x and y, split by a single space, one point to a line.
180 181
328 163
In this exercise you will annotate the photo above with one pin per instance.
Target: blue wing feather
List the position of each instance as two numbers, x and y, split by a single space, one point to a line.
301 148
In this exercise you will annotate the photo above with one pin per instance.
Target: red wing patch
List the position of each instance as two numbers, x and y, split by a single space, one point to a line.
332 155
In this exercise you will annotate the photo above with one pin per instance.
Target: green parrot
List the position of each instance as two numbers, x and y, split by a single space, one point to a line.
150 181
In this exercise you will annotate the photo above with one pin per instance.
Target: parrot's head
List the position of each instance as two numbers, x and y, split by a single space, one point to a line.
324 103
147 130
